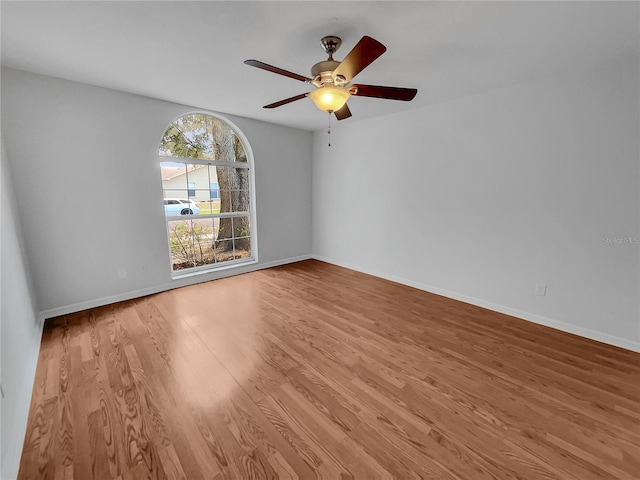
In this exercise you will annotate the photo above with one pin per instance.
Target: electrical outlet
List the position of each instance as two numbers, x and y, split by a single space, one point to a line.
541 290
122 272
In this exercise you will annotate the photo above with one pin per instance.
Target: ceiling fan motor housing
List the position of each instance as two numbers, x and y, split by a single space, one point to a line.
322 74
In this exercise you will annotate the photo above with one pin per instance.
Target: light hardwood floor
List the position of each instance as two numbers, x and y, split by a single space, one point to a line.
310 370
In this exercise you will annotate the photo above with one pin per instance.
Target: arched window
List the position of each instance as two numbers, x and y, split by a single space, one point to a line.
207 183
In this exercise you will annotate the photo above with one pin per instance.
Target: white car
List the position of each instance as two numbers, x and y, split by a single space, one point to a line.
180 206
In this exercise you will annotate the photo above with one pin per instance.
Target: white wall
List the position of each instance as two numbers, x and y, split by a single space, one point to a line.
479 199
483 198
87 181
20 332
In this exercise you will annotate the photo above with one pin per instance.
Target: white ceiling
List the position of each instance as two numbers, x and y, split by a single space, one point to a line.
193 52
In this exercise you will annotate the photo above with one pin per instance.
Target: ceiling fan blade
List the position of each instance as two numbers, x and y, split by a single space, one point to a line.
365 52
379 91
343 113
279 71
286 100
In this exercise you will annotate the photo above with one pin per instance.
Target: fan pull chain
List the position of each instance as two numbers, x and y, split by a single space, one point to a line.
329 129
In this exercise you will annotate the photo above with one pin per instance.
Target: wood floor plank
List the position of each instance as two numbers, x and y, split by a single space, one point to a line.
254 424
197 457
171 463
310 444
99 458
310 370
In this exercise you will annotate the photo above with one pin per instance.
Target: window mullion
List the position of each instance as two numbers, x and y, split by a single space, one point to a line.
213 163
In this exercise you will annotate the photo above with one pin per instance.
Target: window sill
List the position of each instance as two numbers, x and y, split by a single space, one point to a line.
180 274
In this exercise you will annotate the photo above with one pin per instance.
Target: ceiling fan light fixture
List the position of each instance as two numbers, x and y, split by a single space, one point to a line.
332 79
329 99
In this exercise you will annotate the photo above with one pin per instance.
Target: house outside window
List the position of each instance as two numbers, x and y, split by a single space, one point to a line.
207 169
214 190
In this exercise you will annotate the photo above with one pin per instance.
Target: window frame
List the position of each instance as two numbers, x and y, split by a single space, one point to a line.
251 213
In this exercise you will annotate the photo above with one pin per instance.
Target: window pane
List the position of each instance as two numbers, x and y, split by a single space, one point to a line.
203 230
241 240
213 176
172 205
199 195
234 189
225 201
242 175
205 207
223 255
204 254
174 175
224 240
241 227
216 227
196 136
175 193
181 244
178 262
240 201
192 242
225 229
172 197
203 241
225 188
241 155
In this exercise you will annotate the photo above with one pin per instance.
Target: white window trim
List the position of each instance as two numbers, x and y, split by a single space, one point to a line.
249 165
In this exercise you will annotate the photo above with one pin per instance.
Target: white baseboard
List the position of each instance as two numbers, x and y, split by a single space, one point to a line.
531 317
177 283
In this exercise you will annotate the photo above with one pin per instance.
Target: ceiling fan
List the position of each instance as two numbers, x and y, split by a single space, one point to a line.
332 78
